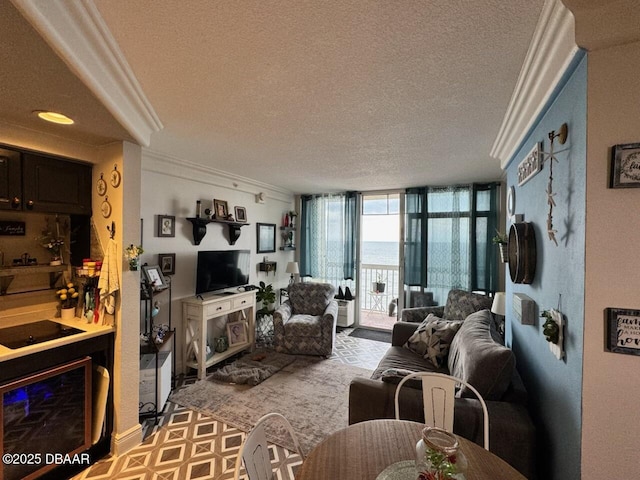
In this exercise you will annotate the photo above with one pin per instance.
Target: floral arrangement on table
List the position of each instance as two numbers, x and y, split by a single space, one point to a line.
132 254
68 296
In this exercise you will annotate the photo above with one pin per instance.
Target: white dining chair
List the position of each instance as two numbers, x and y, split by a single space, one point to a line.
438 396
254 452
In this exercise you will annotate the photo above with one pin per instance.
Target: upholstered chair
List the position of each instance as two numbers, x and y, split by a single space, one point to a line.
460 304
305 324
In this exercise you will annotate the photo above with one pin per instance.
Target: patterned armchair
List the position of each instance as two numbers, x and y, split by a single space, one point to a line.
306 323
460 304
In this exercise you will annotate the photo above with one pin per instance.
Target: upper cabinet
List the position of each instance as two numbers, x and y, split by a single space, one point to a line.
44 184
10 180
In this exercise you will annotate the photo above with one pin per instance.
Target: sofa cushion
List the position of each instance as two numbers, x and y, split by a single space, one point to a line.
401 358
303 326
432 339
478 357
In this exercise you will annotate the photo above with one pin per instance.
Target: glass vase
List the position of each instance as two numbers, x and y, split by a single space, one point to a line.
133 264
438 456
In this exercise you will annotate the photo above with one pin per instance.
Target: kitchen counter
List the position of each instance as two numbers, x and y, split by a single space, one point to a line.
89 330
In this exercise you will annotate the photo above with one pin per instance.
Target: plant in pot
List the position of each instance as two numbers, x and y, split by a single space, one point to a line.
501 240
267 295
68 297
379 285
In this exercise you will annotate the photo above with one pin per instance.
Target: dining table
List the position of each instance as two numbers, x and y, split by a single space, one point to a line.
373 449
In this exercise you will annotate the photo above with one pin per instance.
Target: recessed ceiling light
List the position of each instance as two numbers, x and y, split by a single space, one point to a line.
54 117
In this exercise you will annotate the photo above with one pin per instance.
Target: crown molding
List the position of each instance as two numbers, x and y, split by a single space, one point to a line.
78 34
158 162
550 53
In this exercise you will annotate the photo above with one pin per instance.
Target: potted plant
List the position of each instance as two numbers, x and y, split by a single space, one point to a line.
267 295
68 297
379 285
502 240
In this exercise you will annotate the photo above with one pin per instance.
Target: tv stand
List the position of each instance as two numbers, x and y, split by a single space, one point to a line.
206 317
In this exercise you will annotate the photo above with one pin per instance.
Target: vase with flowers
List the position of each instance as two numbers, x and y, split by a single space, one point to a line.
132 254
52 239
68 297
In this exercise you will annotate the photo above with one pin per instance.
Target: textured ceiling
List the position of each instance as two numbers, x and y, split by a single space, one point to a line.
311 96
331 95
32 78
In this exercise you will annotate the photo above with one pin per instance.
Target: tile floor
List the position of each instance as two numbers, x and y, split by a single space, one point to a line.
186 445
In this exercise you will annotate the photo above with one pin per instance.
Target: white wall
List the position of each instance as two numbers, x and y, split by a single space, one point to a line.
171 188
611 384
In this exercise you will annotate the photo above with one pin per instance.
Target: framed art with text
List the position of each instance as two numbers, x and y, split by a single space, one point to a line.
625 166
622 331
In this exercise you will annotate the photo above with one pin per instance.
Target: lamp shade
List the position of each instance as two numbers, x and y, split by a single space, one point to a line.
292 267
497 306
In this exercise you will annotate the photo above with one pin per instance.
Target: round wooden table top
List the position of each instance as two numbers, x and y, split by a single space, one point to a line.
363 450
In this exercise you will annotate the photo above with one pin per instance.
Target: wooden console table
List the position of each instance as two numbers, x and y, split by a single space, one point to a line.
199 313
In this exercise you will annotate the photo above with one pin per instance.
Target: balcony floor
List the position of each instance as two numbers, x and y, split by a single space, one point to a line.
376 319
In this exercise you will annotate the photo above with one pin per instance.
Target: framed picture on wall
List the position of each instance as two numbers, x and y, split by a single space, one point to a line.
266 233
625 166
622 331
167 262
166 226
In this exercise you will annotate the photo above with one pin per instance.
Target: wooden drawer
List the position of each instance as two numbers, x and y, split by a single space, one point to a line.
242 302
217 308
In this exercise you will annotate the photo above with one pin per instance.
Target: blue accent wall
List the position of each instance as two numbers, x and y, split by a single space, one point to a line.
555 386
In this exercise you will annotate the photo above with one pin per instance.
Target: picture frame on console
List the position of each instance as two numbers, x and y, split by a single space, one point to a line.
266 237
154 277
237 333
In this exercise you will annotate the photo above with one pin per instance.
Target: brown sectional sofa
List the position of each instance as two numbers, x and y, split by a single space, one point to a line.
477 356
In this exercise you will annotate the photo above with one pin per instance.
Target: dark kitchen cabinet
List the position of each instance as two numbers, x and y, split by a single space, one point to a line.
53 185
10 185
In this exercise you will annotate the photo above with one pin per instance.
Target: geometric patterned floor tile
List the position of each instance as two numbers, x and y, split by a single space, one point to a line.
187 445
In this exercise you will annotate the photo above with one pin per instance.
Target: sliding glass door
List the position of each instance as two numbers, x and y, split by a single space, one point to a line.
379 269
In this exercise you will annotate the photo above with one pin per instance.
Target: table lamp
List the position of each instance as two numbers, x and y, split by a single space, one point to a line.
292 268
498 308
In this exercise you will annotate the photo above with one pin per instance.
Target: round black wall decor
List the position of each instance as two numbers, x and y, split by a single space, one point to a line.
522 252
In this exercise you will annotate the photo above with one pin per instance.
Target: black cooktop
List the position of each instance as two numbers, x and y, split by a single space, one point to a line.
31 333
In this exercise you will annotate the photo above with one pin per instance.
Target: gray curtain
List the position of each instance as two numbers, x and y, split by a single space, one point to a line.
447 239
328 237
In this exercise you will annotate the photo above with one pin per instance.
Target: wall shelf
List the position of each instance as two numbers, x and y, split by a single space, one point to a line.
8 273
268 267
200 228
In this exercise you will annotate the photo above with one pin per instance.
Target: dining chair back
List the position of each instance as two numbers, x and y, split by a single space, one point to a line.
254 452
438 396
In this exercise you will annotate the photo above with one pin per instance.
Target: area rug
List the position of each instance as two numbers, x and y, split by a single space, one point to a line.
312 392
377 335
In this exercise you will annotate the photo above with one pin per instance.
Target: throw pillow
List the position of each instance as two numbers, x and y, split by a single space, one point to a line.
432 339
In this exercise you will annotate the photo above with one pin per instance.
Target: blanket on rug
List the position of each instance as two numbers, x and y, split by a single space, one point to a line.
252 368
312 392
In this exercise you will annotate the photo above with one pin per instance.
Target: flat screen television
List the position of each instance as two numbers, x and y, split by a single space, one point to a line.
221 269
